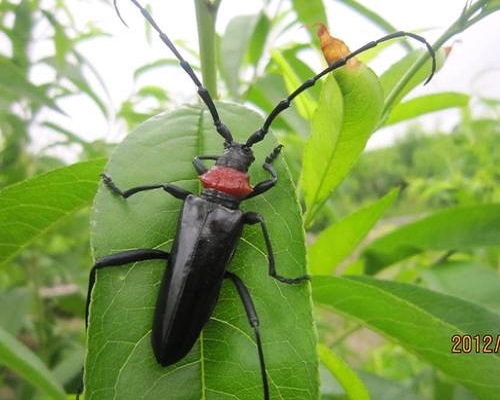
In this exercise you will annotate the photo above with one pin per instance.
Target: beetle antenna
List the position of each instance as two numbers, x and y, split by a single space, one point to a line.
117 10
285 103
202 91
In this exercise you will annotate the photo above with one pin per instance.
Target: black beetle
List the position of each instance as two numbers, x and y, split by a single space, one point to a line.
210 226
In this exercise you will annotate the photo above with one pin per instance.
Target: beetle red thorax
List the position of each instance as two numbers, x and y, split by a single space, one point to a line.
229 174
228 180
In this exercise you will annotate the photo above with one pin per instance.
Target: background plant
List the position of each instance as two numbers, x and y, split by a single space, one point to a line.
436 247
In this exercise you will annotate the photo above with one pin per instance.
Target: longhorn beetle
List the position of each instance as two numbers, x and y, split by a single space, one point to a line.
211 224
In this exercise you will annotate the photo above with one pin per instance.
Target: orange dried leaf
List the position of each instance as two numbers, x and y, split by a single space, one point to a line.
333 49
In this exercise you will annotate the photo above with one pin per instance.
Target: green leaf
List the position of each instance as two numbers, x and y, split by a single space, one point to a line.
258 40
386 389
31 207
301 69
373 17
156 64
269 90
74 74
390 78
469 281
349 110
12 319
120 363
457 228
304 103
70 365
309 13
353 386
20 35
17 357
234 45
426 104
421 321
62 42
340 239
14 83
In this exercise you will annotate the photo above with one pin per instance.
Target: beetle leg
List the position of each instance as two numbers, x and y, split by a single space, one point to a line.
175 191
120 259
254 218
253 319
117 260
264 186
198 165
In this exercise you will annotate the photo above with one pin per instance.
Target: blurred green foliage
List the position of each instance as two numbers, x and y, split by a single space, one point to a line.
435 170
45 256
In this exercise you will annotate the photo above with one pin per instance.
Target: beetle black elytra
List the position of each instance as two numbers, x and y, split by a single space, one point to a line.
210 226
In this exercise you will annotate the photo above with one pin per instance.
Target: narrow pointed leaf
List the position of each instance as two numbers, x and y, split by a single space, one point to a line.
467 280
163 62
14 83
120 362
269 90
350 382
421 321
390 78
418 106
258 40
17 357
304 102
73 72
373 17
339 240
309 13
31 207
19 35
234 45
456 228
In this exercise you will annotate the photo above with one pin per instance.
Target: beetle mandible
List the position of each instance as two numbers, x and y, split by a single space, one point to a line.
210 226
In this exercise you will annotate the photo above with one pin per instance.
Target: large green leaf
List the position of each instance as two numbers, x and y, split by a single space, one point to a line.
29 208
421 321
456 228
349 110
120 362
17 357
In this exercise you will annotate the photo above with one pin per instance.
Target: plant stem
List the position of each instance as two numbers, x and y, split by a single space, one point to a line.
469 16
206 15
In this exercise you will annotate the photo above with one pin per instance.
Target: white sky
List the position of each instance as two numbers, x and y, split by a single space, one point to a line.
472 67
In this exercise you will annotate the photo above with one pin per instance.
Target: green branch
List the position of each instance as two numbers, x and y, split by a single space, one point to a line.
206 15
471 14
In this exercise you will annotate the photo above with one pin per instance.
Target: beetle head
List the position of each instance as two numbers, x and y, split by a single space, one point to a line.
236 155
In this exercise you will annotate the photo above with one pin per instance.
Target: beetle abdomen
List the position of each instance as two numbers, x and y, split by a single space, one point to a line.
207 235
